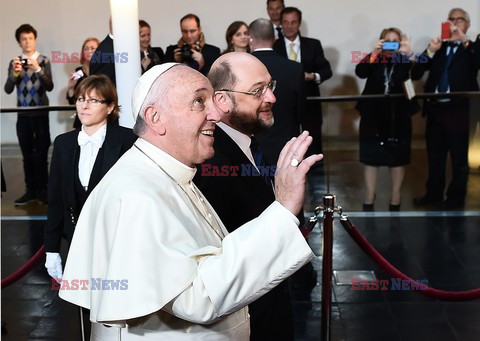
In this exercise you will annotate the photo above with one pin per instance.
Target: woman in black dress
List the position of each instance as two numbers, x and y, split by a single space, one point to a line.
385 124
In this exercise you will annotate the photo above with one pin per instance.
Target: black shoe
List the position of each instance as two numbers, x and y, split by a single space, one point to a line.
43 197
368 208
427 200
394 208
26 198
451 205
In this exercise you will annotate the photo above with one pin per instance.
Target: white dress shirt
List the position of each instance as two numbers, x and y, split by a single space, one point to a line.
89 147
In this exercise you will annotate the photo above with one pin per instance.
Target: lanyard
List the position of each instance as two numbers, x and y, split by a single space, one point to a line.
388 78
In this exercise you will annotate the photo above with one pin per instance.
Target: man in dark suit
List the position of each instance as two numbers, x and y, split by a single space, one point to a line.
274 9
244 94
290 91
453 66
192 49
103 59
317 69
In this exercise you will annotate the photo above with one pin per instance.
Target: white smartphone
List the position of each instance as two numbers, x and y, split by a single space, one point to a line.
78 74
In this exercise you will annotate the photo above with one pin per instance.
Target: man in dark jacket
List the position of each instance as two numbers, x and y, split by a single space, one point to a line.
453 66
309 53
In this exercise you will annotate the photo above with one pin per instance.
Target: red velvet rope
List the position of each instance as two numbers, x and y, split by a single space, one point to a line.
24 269
394 272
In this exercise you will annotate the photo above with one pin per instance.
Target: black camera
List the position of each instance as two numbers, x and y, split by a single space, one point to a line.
24 63
186 53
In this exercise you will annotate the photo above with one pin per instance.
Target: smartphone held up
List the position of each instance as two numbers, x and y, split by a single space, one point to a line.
446 31
390 45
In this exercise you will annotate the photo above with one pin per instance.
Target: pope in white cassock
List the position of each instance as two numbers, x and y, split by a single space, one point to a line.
147 226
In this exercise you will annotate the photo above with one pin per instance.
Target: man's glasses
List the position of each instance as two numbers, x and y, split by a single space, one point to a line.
258 93
458 20
94 102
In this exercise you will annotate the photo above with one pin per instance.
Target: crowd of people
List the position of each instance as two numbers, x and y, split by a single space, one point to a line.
109 191
385 126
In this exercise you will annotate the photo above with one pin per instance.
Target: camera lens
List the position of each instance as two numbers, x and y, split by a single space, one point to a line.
186 53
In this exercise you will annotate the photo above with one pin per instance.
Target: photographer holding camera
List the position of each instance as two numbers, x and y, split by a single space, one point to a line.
31 74
191 48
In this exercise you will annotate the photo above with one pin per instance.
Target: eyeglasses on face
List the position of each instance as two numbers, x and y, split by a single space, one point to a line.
94 102
258 93
458 20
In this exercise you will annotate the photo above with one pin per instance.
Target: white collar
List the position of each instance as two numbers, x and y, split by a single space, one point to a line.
180 172
296 41
35 55
263 49
100 131
242 140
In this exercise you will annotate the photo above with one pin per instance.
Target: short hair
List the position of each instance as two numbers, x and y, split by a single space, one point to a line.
385 31
222 77
288 10
465 14
104 87
82 55
191 16
143 23
157 95
283 3
25 28
262 30
140 126
231 30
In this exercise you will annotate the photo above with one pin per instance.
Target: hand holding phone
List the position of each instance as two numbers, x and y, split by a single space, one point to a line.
446 31
390 45
78 74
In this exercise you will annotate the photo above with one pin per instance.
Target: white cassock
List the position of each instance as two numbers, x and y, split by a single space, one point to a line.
187 278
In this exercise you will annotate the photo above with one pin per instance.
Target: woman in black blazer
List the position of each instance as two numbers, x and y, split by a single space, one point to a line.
385 125
80 159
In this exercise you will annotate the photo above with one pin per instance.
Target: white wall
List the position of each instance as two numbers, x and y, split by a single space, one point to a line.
342 26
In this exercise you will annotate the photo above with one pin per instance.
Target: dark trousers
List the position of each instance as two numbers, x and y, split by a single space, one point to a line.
312 121
447 132
33 132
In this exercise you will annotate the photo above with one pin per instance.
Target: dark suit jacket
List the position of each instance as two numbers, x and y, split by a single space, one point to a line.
63 204
97 66
375 85
237 200
209 52
289 107
313 60
462 73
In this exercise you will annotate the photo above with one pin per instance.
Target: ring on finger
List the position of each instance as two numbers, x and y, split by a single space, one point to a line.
294 162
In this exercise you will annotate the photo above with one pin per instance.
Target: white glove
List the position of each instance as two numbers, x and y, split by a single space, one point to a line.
54 265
